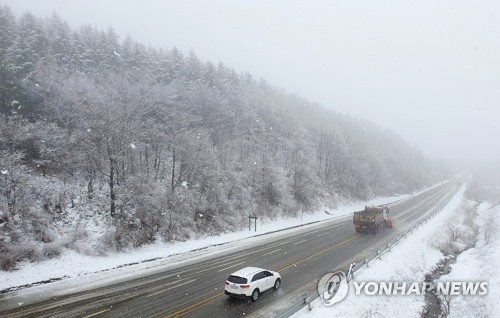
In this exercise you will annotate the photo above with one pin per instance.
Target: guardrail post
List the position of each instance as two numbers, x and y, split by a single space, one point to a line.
350 272
306 301
250 218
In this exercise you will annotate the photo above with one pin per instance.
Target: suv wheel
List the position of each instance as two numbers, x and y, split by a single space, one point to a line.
277 284
255 295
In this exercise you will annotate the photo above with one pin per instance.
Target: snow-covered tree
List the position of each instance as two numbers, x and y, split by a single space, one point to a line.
160 145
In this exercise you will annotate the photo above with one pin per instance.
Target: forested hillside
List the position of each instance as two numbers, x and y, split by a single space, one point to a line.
106 143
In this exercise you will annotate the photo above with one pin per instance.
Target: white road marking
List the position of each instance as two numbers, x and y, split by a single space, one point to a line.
162 291
296 243
333 228
97 313
279 249
277 244
223 269
324 234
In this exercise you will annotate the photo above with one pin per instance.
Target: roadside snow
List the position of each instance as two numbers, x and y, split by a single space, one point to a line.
408 261
479 264
72 264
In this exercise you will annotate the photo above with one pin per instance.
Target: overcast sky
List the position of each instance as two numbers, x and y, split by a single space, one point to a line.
428 70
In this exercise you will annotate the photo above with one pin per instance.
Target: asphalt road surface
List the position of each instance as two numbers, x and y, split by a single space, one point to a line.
196 288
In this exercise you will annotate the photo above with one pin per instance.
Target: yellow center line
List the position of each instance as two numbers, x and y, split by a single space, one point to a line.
194 306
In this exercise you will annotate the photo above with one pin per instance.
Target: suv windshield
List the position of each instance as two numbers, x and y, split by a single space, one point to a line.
237 279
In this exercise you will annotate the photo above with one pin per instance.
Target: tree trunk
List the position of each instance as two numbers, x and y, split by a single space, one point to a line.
173 169
112 195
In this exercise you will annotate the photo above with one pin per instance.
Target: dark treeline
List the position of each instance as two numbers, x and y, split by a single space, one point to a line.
151 144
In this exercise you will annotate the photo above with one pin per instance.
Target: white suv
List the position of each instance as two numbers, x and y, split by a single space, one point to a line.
251 281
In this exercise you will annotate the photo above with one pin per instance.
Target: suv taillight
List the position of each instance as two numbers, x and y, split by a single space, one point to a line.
244 286
227 283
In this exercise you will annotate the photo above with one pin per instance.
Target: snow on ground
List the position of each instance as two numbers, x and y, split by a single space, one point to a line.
479 264
73 264
408 261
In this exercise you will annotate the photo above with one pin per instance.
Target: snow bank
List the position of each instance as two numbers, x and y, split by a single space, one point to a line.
481 263
409 261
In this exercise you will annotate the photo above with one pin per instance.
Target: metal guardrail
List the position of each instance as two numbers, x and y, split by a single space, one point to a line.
365 262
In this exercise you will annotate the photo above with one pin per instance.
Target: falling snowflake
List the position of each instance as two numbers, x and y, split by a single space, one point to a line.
5 171
132 146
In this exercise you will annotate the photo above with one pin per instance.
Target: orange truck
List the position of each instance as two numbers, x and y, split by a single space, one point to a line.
372 219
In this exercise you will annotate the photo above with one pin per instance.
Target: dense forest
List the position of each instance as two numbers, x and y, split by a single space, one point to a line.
108 144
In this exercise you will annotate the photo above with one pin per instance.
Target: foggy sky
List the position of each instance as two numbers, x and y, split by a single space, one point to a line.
428 70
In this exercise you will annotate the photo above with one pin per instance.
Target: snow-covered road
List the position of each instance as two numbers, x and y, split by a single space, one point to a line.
76 268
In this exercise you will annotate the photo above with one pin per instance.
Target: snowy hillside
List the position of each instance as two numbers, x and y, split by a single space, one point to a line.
106 144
